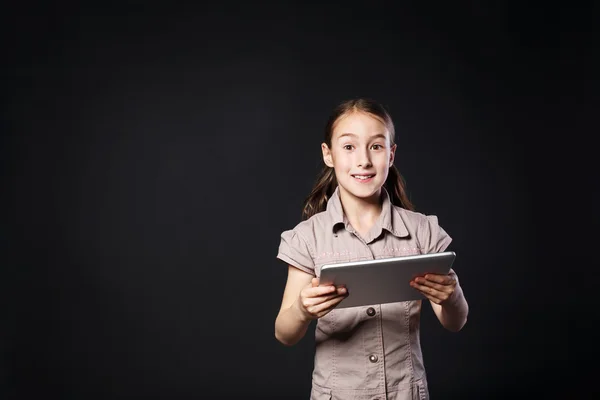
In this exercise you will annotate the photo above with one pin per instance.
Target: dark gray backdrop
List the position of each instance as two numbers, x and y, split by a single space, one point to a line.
152 155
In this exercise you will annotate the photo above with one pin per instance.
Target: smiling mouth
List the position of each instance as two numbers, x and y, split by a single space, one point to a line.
363 177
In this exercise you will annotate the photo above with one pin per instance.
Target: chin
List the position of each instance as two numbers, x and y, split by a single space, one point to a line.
364 193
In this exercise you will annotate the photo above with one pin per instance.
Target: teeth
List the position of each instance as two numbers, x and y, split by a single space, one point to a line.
363 177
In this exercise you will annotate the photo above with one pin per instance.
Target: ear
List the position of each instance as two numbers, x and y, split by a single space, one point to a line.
392 155
327 157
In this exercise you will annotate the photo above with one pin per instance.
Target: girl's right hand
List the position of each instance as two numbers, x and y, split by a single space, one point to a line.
316 301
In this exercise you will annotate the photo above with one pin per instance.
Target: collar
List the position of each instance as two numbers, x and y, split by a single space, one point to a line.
389 219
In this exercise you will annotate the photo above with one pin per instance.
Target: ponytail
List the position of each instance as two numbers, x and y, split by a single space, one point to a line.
396 188
320 194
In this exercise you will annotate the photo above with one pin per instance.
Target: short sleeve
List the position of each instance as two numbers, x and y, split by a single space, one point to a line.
431 236
294 250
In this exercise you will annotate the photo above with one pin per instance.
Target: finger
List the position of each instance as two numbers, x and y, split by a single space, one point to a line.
314 300
318 291
315 282
442 279
438 286
429 284
313 305
449 280
325 307
431 293
433 299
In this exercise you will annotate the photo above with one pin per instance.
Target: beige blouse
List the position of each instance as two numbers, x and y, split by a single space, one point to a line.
371 352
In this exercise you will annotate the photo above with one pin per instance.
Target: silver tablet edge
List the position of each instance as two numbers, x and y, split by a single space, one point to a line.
389 259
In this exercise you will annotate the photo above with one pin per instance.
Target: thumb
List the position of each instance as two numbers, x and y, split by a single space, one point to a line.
315 282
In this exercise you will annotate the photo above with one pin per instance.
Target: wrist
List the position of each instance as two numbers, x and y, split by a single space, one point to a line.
455 304
300 312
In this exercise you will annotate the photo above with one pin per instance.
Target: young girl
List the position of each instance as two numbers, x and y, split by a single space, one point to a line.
358 210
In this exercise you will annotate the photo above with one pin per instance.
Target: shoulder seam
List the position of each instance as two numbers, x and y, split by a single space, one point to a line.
308 245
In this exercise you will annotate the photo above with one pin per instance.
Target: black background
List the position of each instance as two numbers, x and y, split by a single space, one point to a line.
153 153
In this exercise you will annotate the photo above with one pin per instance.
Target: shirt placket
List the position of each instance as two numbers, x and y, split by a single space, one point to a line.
373 338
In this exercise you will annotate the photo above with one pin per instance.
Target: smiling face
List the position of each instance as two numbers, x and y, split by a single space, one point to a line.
361 154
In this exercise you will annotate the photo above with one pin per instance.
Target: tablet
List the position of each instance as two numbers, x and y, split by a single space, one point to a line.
384 280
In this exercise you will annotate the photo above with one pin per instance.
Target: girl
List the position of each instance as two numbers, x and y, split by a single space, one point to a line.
358 210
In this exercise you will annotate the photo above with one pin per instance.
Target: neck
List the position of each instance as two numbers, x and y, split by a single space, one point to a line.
361 212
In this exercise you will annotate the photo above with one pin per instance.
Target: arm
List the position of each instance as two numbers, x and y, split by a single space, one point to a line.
291 324
452 313
446 298
443 291
303 300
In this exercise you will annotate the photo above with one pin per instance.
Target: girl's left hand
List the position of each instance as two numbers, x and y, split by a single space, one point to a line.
437 288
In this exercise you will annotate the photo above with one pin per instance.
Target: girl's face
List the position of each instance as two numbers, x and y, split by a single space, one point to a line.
361 155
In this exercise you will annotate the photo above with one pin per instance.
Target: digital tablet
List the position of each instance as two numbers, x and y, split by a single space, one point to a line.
384 280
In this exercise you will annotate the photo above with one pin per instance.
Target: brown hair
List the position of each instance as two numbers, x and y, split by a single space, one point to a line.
326 183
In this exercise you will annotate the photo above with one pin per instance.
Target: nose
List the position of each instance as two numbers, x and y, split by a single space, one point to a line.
364 159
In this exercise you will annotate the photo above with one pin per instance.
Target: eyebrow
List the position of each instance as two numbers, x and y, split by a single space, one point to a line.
377 136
